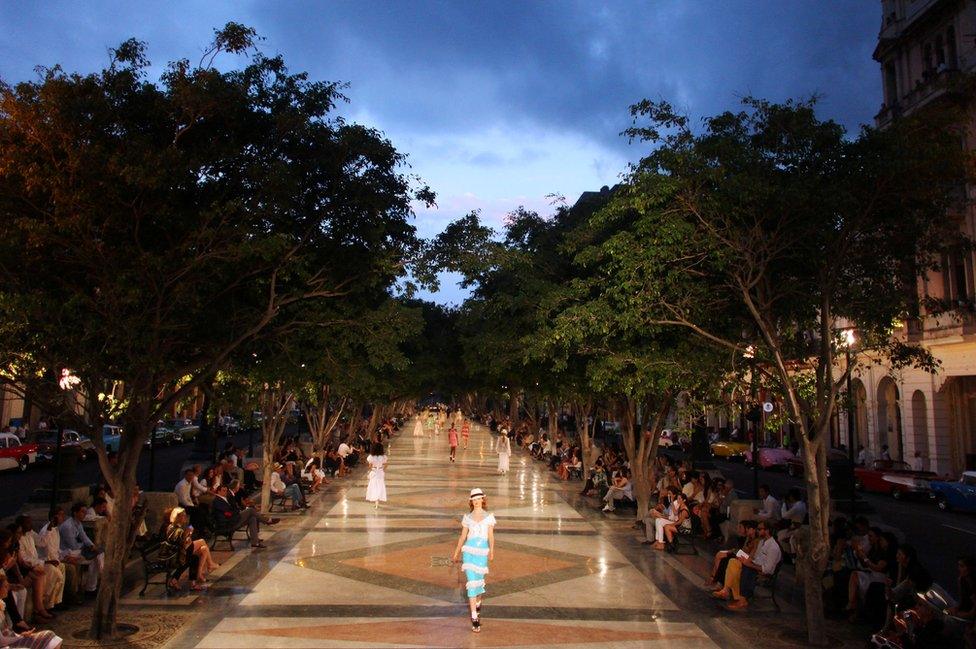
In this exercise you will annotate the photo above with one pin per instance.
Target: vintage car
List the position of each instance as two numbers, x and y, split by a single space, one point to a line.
14 454
71 441
111 437
729 449
163 435
956 494
892 477
794 466
770 458
185 428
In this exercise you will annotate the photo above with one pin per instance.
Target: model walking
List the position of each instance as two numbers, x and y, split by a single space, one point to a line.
418 428
504 448
452 439
476 547
465 432
376 488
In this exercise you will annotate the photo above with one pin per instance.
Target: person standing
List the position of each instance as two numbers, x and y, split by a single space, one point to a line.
376 488
504 448
476 547
418 427
452 439
465 431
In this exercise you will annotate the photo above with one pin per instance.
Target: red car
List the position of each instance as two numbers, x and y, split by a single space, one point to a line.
14 454
892 477
794 465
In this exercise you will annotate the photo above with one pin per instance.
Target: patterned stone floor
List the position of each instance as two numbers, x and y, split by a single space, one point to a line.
354 576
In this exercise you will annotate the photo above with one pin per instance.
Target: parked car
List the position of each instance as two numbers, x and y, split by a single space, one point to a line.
955 494
111 437
892 477
835 456
228 425
15 454
730 450
47 442
770 458
185 429
163 435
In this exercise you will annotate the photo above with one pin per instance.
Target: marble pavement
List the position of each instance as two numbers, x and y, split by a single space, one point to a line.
352 575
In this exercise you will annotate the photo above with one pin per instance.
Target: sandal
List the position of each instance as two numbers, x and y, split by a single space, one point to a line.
476 626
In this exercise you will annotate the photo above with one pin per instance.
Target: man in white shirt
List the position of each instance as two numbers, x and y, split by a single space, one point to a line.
794 512
864 457
184 489
742 572
770 509
29 555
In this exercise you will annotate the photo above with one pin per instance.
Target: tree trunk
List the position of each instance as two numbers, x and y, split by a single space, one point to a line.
513 407
117 545
814 553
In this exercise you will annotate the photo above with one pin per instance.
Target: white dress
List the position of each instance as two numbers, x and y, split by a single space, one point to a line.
504 448
376 489
418 428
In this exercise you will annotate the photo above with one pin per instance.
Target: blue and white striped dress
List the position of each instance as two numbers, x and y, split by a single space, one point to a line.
474 553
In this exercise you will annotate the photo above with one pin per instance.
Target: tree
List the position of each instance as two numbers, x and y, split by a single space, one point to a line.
774 220
158 228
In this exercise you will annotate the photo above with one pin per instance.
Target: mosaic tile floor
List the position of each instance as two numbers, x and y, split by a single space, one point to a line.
355 576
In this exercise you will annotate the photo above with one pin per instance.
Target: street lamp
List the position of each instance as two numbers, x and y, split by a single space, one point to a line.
66 381
848 340
750 355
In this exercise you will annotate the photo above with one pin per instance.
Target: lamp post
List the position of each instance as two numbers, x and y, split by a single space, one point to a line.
848 340
750 355
66 381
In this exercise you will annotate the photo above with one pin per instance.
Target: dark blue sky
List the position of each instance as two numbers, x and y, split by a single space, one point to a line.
501 103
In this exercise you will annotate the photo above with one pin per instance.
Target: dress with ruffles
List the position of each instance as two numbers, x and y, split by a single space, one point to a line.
474 553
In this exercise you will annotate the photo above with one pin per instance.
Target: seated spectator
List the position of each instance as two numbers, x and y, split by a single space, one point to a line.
290 491
876 564
793 513
314 474
741 573
21 636
908 622
621 489
725 495
597 479
678 518
98 509
228 511
965 609
75 543
34 560
770 510
747 542
33 577
183 552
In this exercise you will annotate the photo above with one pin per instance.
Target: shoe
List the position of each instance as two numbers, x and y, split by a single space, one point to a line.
646 542
259 544
272 521
737 604
608 508
720 594
476 626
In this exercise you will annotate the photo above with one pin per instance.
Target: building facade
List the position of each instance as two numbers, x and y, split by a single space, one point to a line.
923 47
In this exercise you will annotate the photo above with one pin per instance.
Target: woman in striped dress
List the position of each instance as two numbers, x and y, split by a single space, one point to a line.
476 547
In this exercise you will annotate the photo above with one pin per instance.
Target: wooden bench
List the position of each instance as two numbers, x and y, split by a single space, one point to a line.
685 537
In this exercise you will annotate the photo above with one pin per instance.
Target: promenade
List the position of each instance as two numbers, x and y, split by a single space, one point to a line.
349 575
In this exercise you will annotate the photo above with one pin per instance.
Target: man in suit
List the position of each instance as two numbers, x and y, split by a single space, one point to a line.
226 510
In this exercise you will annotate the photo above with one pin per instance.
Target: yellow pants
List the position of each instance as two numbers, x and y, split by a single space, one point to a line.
733 574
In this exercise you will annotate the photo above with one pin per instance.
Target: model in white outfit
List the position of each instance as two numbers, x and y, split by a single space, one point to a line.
418 427
376 489
504 448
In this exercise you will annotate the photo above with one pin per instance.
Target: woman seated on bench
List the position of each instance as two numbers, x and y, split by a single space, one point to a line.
184 552
666 529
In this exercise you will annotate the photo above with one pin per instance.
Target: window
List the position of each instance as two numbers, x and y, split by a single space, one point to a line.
940 58
953 54
927 57
891 84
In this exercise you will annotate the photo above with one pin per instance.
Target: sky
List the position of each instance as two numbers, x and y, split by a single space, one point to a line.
500 104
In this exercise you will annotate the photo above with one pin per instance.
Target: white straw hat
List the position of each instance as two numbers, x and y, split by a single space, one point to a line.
476 493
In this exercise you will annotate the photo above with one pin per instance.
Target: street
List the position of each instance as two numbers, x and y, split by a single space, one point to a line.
16 487
940 537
